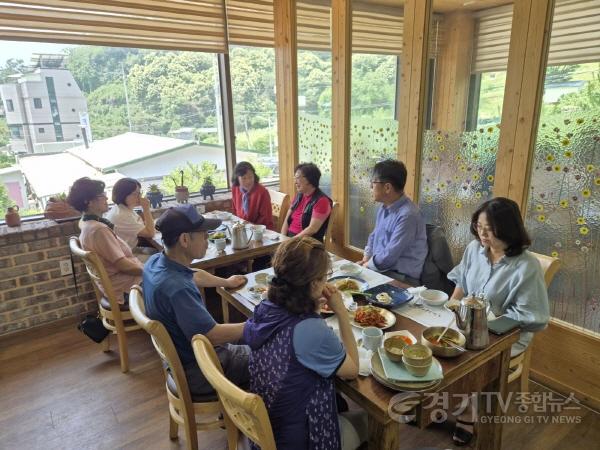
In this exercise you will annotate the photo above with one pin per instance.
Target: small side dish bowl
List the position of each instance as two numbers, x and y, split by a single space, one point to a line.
351 269
262 278
393 347
417 355
433 297
417 371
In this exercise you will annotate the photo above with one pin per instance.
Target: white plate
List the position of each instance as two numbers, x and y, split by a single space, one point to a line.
379 375
348 300
390 318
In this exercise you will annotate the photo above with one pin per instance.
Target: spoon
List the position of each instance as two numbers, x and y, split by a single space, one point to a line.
444 332
454 345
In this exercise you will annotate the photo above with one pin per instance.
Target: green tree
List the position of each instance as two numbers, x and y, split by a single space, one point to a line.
560 74
5 202
12 66
4 133
193 177
6 160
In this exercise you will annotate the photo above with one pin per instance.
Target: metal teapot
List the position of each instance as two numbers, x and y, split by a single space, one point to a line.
239 237
471 318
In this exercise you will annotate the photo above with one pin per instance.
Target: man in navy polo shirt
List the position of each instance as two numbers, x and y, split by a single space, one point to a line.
171 296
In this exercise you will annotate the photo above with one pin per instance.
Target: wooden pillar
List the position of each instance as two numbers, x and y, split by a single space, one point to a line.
413 95
453 73
286 77
530 36
341 47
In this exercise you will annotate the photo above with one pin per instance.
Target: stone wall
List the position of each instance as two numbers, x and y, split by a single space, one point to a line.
32 290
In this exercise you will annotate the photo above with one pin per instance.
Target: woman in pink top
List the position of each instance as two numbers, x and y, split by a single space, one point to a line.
97 235
310 210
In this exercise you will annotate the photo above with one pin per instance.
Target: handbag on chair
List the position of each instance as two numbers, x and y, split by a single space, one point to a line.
93 328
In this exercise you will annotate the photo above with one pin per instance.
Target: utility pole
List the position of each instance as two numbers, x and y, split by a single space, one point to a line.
126 96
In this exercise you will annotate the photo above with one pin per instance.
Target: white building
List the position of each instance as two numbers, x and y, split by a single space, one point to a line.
43 106
12 179
145 157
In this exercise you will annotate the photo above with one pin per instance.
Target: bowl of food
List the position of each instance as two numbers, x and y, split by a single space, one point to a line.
217 235
258 291
433 297
263 278
350 269
394 346
444 347
417 355
452 305
417 371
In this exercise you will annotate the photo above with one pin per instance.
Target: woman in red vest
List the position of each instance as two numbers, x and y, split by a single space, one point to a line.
250 199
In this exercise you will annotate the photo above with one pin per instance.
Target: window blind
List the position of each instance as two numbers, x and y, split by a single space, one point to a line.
250 22
574 39
163 24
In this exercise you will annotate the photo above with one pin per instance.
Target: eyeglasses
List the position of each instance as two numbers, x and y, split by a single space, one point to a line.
377 182
480 228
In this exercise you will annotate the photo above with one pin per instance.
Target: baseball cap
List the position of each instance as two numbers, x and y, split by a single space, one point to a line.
184 219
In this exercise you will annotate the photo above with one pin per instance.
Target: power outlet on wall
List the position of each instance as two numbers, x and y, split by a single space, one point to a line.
65 267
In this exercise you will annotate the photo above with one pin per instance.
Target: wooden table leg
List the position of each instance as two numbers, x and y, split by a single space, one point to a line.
383 436
489 433
225 306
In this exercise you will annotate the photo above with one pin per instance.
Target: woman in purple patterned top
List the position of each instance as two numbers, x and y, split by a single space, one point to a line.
295 355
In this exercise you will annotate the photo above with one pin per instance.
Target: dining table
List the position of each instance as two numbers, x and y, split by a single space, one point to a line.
484 372
214 259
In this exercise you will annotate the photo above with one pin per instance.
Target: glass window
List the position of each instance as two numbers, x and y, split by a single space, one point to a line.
468 54
563 213
9 105
153 115
373 134
254 108
16 131
314 112
376 54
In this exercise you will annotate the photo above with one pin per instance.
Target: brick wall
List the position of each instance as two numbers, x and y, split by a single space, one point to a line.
32 291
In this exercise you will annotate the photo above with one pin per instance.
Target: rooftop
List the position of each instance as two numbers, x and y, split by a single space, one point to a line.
116 151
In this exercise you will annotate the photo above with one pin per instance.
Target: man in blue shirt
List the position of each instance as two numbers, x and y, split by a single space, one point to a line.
397 246
171 296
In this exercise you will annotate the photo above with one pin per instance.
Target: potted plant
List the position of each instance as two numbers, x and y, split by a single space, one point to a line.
208 188
181 192
154 196
58 208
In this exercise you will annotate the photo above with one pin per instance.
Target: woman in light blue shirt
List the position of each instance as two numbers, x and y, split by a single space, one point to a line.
498 265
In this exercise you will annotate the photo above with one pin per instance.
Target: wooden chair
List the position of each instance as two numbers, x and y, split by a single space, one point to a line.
182 410
280 203
332 218
519 365
115 317
243 411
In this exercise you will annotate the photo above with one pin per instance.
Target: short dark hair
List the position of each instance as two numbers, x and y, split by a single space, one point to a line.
240 170
391 171
83 191
296 263
311 172
123 188
505 219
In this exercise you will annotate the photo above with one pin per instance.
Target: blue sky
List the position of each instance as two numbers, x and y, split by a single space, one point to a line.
24 50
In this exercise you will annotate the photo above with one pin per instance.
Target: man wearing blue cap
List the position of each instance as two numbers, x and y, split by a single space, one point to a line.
171 296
